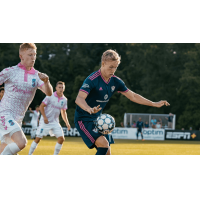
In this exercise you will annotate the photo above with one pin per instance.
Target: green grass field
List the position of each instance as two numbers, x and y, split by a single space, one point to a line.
75 146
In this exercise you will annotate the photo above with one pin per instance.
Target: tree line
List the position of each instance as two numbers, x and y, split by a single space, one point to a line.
156 71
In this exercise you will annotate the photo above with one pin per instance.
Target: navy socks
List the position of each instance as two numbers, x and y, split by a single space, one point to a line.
102 151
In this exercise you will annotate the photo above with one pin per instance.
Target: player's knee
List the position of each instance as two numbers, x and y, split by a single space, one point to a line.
23 143
102 142
37 140
61 140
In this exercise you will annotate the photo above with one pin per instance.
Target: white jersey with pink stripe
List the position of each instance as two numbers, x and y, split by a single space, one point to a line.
20 87
54 105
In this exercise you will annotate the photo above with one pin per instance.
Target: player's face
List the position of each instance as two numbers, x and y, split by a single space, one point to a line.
109 68
1 94
60 89
28 57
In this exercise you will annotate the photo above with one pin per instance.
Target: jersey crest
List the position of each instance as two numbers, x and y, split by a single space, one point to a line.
33 82
112 88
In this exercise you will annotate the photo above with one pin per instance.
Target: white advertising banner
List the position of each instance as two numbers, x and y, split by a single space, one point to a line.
130 133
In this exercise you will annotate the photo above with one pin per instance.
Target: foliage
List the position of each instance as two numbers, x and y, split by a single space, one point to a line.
155 71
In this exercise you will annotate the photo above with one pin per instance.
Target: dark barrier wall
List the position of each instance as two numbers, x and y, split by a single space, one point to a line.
73 132
182 135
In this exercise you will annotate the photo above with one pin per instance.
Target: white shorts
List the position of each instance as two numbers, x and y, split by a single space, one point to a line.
54 129
8 126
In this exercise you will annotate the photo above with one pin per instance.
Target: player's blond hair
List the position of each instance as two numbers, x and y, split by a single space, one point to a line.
60 82
26 46
110 55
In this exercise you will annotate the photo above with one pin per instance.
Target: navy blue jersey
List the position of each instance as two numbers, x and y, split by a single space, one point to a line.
139 124
99 92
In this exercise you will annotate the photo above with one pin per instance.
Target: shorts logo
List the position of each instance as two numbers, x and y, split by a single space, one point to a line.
11 122
33 82
95 130
41 130
106 96
3 120
112 88
85 86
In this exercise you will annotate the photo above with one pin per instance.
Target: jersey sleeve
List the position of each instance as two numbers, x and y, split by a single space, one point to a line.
5 75
87 86
65 106
46 100
121 86
40 83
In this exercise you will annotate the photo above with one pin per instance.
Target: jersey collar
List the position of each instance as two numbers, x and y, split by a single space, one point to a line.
32 71
59 98
103 78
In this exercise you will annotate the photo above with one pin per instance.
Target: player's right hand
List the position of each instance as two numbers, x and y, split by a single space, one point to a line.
46 121
94 110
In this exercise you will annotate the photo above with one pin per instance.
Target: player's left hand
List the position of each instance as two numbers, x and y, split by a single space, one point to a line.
43 77
161 103
68 127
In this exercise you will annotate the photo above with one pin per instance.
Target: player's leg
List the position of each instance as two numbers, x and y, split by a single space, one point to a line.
59 145
142 135
41 131
34 145
109 151
33 132
19 143
5 140
58 132
92 137
137 134
2 146
102 145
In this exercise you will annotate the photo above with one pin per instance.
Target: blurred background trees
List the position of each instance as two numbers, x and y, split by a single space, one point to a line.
156 71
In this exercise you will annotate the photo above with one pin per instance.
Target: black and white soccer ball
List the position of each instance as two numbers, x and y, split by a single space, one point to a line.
105 123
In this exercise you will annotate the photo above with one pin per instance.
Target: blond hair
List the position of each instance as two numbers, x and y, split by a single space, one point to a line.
60 82
110 55
26 46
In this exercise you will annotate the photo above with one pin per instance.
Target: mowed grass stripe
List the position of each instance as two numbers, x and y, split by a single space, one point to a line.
76 146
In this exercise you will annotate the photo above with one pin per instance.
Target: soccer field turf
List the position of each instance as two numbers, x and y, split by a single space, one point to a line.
75 146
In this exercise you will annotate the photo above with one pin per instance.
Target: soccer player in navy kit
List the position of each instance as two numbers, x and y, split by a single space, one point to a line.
93 96
139 126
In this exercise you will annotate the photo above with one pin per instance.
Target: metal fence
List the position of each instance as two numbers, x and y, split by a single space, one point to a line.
129 118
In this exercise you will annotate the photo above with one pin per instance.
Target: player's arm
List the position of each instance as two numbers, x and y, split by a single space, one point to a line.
43 112
30 109
65 119
46 87
80 101
141 100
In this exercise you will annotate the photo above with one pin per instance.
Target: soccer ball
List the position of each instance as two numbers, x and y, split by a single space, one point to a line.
105 123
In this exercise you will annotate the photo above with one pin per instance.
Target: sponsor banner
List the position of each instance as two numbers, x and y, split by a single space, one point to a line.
73 132
182 135
130 133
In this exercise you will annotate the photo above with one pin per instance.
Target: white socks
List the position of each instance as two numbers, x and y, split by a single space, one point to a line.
57 148
11 149
33 147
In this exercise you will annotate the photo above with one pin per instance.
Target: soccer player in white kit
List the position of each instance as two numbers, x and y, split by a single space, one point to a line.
34 120
50 109
20 83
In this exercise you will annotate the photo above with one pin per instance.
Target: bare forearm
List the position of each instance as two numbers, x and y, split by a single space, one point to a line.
82 103
64 117
42 112
141 100
48 88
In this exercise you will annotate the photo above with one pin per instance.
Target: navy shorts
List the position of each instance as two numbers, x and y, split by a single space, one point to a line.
139 131
89 134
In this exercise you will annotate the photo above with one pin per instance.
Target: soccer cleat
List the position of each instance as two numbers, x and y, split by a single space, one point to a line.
143 139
